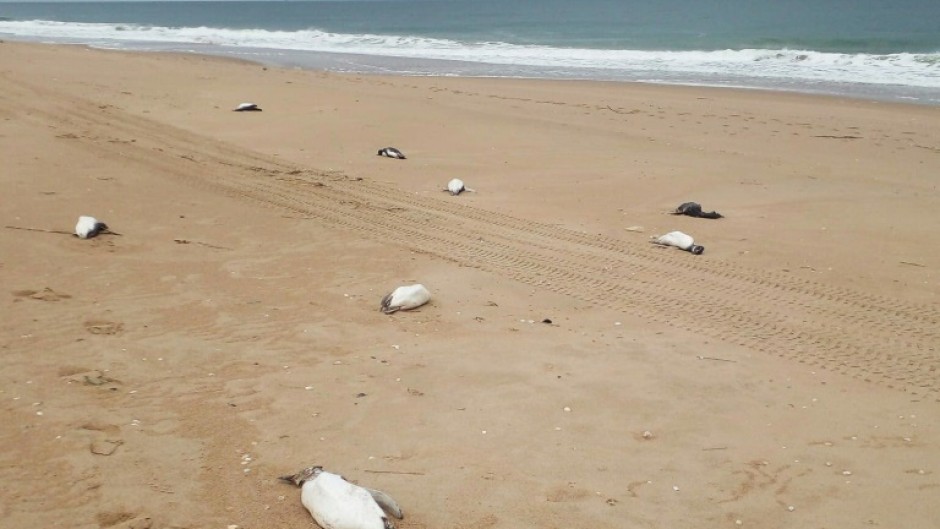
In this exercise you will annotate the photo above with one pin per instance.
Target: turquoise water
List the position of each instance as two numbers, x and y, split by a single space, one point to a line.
868 48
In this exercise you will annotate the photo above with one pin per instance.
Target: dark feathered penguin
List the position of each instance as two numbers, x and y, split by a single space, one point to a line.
694 209
391 152
88 227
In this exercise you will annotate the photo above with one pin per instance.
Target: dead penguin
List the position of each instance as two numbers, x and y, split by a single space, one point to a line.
88 227
456 187
405 298
679 240
247 107
391 152
694 209
336 503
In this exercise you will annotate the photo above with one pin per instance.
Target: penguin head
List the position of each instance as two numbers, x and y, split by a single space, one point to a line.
692 209
304 475
696 249
381 152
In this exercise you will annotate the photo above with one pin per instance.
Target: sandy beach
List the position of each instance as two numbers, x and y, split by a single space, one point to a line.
788 377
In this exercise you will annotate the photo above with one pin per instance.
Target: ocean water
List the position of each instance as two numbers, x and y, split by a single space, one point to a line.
877 49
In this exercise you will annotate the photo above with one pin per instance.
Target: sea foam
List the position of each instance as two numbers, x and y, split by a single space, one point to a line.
791 66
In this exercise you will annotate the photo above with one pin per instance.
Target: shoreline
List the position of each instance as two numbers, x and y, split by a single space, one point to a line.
361 64
566 371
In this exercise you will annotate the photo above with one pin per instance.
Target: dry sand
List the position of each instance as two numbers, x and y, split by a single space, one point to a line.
164 378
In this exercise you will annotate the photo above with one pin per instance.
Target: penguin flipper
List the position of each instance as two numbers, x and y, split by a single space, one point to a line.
386 502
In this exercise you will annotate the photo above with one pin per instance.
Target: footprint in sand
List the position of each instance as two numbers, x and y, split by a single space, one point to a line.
103 327
489 520
46 294
105 447
93 377
106 438
566 493
760 477
124 520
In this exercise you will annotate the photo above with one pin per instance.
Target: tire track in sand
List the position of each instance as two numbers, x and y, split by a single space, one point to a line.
876 338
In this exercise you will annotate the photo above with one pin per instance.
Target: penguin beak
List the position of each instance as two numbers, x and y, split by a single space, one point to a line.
289 479
298 478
